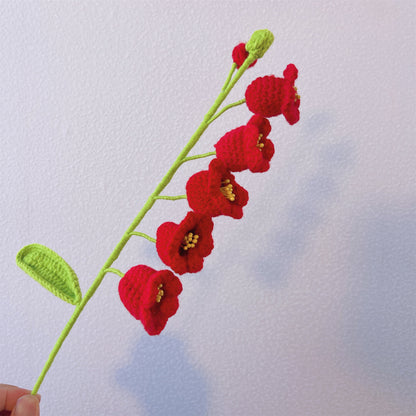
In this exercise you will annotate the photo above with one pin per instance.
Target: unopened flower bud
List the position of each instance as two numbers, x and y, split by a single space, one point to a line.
259 42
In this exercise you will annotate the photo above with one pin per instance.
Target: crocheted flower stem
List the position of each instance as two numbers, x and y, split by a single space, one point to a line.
146 207
147 237
187 159
171 198
115 271
230 75
227 107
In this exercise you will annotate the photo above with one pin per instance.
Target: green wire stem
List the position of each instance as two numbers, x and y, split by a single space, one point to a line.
147 237
227 107
187 159
171 198
227 81
115 271
146 207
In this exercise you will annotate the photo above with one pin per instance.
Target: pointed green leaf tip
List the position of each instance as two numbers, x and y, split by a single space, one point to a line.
51 271
259 42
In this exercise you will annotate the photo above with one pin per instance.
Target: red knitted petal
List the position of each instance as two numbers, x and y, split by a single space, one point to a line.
163 240
188 263
204 229
268 149
291 112
241 199
172 285
217 175
170 239
204 192
290 73
169 307
131 288
154 314
262 124
258 158
191 261
264 96
230 150
240 54
153 323
196 192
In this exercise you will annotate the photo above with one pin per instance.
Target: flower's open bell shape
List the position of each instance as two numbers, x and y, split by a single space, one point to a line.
150 296
270 96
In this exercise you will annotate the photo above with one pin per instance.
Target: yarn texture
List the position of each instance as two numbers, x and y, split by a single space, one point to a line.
150 296
240 54
183 246
215 192
247 147
51 271
270 96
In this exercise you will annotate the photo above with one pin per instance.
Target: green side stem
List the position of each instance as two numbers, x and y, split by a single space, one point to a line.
230 74
147 237
146 207
187 159
227 107
171 198
115 271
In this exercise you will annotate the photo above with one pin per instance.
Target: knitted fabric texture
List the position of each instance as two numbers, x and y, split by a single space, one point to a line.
229 150
240 55
215 192
259 42
51 271
270 96
183 246
247 147
150 296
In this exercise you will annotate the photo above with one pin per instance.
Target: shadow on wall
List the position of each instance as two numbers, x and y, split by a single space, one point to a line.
380 329
306 211
163 380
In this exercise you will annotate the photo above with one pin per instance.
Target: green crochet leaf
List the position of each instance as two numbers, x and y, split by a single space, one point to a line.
51 271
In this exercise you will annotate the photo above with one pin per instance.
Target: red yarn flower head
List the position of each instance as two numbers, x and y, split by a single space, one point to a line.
214 192
183 246
230 150
270 96
150 296
247 147
240 55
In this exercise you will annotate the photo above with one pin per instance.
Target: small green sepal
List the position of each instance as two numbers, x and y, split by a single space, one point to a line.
51 271
259 42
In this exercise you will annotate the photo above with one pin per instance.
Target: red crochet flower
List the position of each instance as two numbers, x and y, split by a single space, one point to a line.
230 150
270 96
240 55
258 149
183 246
150 296
247 147
214 192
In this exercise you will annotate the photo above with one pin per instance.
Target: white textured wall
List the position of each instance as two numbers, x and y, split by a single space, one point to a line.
306 307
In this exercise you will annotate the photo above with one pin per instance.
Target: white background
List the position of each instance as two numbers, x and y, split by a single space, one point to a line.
306 306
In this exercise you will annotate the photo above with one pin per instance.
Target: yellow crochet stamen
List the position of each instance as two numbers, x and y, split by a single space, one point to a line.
160 293
297 96
259 144
227 190
190 241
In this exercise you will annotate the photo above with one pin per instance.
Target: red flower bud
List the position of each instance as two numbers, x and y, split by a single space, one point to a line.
240 54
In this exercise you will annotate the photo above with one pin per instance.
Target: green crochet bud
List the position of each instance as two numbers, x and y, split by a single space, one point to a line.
259 42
